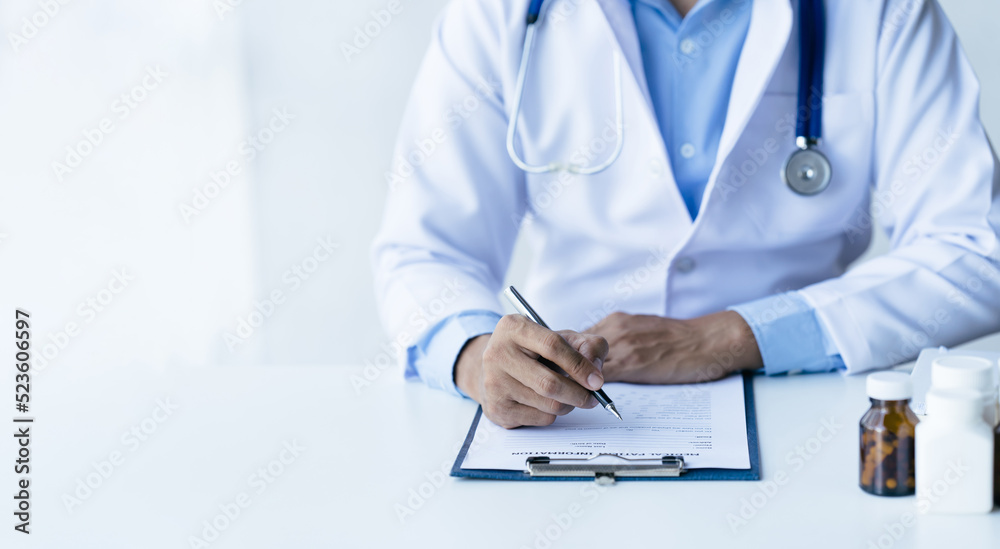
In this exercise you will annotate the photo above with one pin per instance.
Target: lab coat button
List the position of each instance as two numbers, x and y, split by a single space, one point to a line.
655 167
684 265
687 46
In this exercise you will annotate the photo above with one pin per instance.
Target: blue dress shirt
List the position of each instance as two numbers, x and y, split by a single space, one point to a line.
690 64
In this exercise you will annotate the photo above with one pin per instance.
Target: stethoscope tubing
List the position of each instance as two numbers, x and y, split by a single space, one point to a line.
812 41
522 72
809 113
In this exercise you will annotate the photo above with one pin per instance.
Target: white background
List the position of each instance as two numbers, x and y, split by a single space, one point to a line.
322 176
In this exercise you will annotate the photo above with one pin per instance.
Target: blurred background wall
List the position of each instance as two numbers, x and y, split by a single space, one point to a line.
198 181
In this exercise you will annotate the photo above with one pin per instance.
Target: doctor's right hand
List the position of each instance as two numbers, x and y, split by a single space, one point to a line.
501 372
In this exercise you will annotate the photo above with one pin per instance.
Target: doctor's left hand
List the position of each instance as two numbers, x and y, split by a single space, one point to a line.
654 349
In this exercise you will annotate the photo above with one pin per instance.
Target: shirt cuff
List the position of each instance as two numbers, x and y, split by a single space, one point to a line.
432 358
790 337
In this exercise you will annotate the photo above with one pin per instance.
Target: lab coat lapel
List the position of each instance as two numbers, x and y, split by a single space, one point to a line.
767 38
619 16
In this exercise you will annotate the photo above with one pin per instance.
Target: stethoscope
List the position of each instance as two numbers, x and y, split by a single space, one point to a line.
807 170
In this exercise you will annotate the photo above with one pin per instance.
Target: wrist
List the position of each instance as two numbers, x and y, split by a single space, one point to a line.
731 342
468 370
741 343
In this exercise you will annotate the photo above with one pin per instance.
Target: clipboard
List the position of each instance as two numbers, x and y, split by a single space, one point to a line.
666 468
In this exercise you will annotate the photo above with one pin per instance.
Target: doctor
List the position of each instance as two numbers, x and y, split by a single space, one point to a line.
694 179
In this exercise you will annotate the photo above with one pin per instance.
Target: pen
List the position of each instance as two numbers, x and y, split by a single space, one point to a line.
522 307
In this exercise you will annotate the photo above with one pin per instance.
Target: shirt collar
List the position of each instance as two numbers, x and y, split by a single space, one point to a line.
666 7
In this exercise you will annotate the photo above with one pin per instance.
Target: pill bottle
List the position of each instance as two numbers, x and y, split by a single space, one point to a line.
996 466
979 374
954 455
887 432
964 372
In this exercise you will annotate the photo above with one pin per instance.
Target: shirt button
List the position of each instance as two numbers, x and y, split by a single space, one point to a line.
687 150
684 265
687 46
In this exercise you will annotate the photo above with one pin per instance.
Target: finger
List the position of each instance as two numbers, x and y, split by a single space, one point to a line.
542 380
527 396
516 414
549 344
547 384
593 347
512 375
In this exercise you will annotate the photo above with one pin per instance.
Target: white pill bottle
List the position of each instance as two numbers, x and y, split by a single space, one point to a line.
954 455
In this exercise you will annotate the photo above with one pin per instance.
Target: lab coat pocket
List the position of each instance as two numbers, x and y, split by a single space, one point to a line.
781 214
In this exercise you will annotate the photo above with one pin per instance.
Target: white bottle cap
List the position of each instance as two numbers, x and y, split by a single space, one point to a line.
954 404
955 371
889 386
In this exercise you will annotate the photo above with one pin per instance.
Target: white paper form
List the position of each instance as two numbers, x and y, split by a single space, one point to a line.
705 423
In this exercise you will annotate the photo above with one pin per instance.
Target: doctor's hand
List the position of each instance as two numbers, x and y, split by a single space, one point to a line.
654 349
501 372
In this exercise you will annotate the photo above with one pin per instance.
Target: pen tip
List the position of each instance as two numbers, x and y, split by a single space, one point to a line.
613 410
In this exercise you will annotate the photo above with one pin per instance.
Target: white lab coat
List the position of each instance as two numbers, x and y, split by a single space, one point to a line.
900 127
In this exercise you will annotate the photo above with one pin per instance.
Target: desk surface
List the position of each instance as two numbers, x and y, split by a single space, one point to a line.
372 467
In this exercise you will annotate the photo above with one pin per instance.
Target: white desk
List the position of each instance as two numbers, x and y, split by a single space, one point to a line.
365 453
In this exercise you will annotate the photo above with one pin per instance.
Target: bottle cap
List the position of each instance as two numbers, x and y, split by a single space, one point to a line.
954 403
955 371
889 386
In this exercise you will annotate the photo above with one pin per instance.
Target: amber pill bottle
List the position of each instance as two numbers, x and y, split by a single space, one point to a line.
887 429
996 465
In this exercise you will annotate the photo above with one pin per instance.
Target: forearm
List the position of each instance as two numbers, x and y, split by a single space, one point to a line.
789 335
883 312
434 357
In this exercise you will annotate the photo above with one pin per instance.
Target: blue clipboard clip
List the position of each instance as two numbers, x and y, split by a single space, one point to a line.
544 466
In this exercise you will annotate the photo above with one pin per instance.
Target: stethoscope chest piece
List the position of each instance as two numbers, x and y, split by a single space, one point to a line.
807 171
